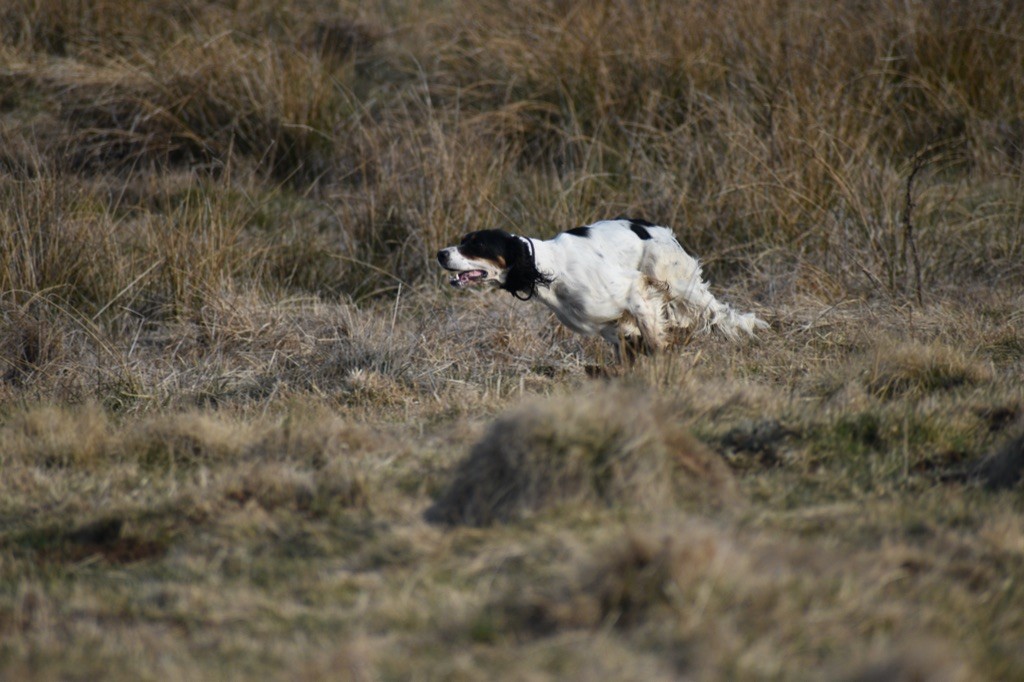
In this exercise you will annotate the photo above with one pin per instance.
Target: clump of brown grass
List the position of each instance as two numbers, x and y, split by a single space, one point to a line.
321 454
309 440
613 447
29 342
61 28
54 242
317 436
153 87
297 486
917 369
51 436
67 244
272 485
648 570
626 582
226 96
185 440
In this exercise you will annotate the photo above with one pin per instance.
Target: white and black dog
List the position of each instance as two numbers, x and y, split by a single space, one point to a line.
626 280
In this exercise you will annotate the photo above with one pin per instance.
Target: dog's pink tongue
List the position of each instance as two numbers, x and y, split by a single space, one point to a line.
468 277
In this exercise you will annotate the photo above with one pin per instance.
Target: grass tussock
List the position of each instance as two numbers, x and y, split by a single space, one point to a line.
647 571
274 486
921 369
612 448
317 436
185 440
624 584
58 437
30 343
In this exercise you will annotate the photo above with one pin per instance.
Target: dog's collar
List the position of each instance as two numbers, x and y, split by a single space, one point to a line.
533 257
529 246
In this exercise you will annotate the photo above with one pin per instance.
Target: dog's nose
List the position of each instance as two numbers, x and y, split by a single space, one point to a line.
442 256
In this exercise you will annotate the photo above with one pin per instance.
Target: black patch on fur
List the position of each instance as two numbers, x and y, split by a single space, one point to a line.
639 226
485 244
582 231
522 277
639 230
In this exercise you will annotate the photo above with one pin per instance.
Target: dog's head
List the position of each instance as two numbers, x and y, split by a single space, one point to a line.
482 257
493 257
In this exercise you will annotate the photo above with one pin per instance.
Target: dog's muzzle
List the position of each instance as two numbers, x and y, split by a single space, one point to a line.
459 278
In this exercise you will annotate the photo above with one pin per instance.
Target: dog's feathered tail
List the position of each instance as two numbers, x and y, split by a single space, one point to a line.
732 323
697 308
690 303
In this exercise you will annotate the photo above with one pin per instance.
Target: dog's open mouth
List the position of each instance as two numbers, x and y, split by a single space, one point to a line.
467 277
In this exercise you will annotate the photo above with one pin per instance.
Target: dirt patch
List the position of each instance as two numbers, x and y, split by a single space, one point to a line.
104 540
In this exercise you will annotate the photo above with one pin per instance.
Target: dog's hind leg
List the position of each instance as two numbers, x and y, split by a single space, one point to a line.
628 349
646 307
625 339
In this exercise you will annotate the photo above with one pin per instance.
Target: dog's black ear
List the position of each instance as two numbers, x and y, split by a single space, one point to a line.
522 277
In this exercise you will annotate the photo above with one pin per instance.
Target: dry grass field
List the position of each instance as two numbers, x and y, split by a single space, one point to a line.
248 432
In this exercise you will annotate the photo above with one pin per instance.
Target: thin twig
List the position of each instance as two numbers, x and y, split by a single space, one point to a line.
909 244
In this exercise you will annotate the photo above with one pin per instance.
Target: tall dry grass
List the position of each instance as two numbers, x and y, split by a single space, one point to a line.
768 135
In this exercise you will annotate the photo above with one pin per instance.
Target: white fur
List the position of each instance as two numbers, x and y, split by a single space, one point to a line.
616 285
